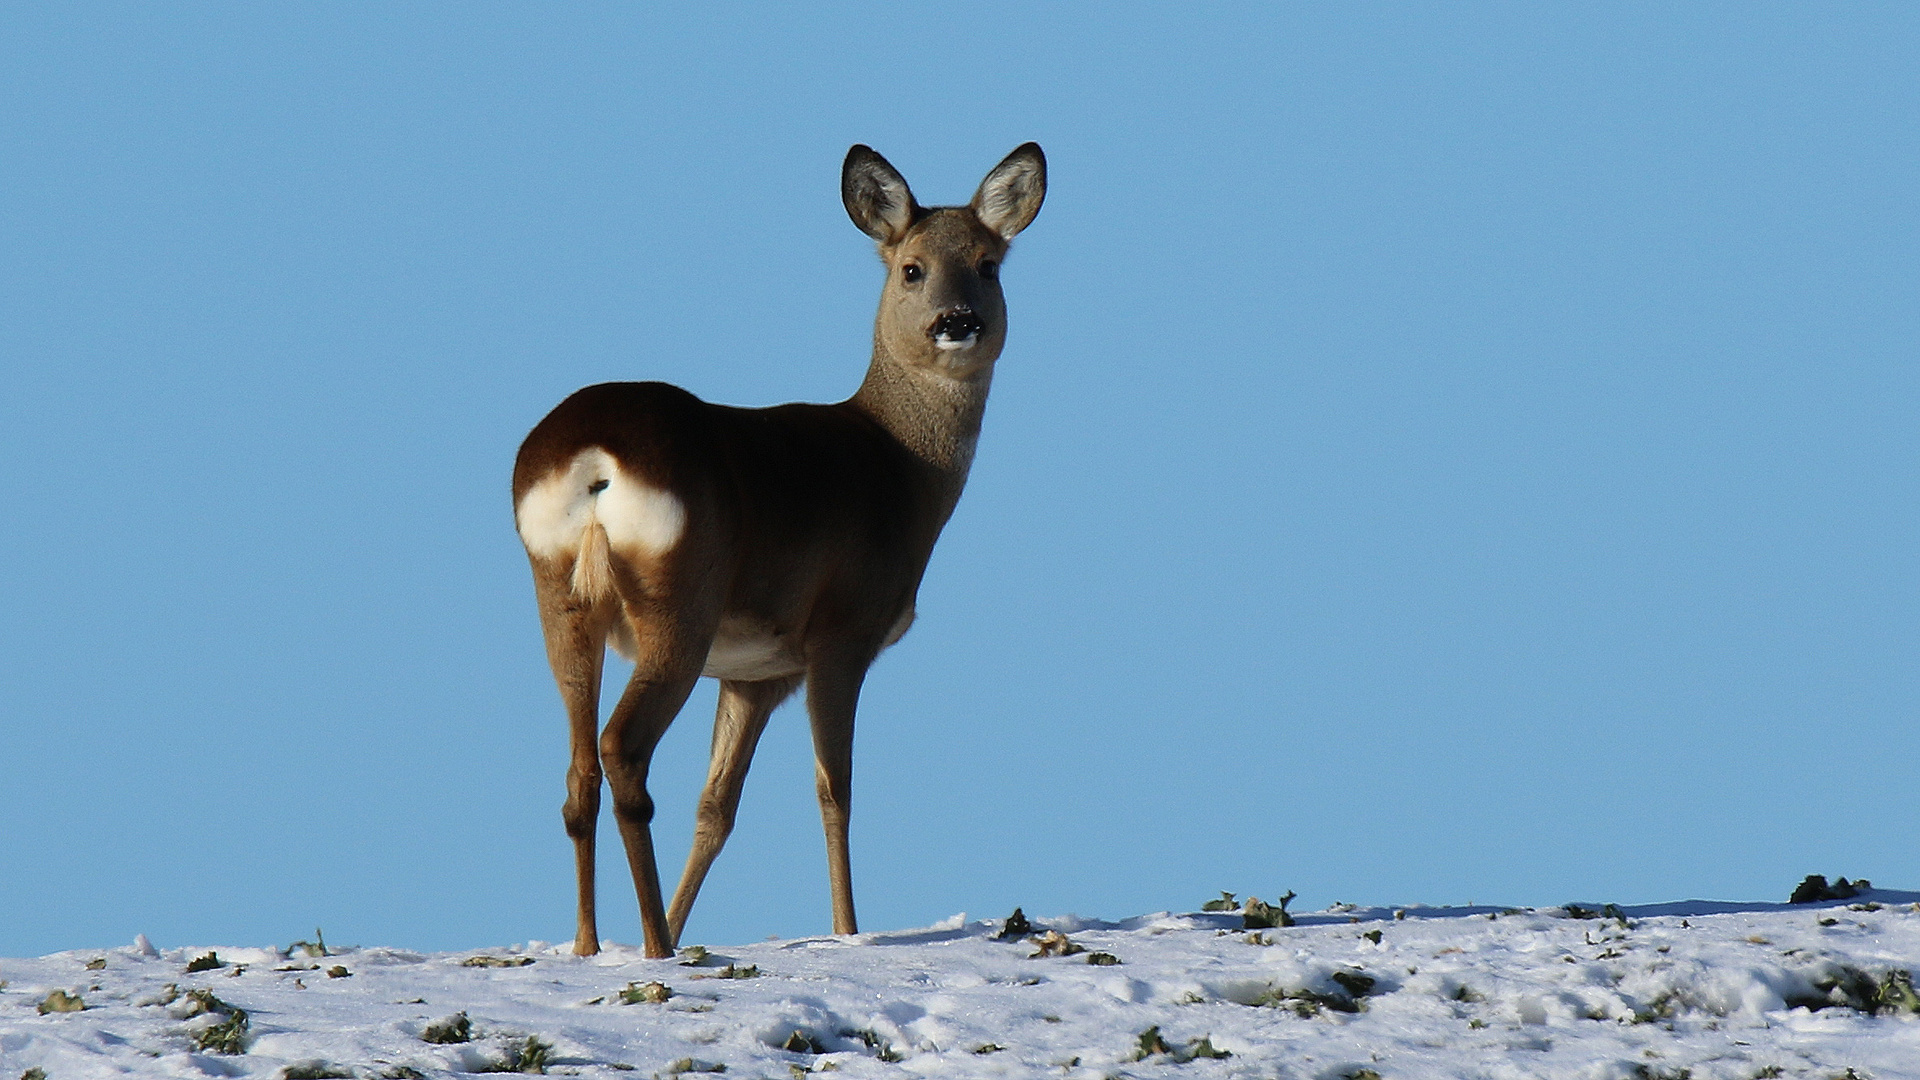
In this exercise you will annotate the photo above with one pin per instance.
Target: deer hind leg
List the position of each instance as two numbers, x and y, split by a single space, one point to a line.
833 693
672 628
575 628
737 725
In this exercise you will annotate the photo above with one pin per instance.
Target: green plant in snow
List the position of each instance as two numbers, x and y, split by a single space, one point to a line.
1307 1002
1353 982
1055 943
1897 994
229 1036
800 1042
653 993
1605 911
751 971
873 1041
1203 1047
1851 988
1814 889
496 961
61 1002
316 947
454 1029
1259 915
1016 926
203 1001
205 963
1664 1006
532 1056
1150 1043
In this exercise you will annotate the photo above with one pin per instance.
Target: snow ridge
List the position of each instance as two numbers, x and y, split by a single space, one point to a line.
1698 989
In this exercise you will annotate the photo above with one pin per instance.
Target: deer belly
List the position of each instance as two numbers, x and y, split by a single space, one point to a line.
750 654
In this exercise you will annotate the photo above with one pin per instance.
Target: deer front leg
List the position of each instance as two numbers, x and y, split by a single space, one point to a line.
833 693
737 725
652 699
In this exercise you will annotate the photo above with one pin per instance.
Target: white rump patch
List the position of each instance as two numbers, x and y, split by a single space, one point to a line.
554 514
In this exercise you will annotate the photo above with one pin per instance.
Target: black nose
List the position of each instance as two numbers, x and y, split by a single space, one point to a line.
957 325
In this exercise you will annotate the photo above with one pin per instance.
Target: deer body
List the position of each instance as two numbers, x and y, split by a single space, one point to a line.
763 547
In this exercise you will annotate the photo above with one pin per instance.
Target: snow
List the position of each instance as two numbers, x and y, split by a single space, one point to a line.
1696 989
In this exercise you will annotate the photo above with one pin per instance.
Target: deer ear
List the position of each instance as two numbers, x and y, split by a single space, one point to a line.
1011 194
877 197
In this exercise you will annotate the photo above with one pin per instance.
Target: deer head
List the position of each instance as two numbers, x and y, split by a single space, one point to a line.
942 310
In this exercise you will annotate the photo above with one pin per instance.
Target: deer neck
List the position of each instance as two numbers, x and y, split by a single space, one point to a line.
935 416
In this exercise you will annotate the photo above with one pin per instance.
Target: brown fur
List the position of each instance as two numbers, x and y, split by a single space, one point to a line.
807 529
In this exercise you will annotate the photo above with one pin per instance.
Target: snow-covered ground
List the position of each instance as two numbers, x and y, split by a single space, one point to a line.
1695 989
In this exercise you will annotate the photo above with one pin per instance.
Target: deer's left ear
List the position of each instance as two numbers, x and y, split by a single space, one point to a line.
1011 194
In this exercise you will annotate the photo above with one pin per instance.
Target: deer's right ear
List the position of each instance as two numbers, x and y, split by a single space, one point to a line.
877 197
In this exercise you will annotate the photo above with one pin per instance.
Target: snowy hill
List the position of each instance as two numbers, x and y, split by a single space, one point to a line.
1700 990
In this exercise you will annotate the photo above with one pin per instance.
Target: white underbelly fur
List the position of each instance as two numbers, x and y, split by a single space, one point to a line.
751 655
749 650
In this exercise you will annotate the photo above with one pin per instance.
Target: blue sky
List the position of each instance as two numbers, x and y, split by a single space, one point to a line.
1443 452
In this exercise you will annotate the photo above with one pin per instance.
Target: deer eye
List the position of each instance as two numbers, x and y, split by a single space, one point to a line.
989 269
911 273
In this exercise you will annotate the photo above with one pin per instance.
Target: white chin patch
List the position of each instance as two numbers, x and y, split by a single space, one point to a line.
947 344
555 513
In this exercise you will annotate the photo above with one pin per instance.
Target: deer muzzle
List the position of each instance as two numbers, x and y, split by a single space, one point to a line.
956 329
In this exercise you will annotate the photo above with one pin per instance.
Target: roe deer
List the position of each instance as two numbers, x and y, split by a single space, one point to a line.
763 547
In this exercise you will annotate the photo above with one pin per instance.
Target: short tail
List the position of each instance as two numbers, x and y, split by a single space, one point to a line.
593 566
